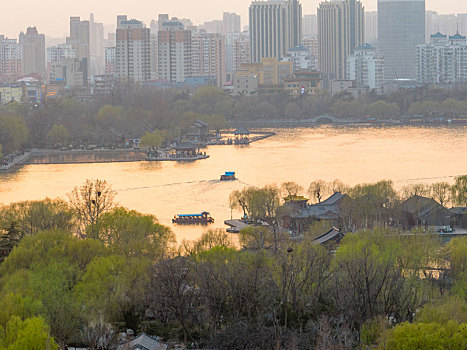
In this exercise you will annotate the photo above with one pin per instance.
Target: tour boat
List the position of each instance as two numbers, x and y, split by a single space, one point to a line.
229 175
202 218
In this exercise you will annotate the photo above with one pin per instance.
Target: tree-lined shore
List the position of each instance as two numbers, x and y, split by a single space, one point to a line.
81 271
162 115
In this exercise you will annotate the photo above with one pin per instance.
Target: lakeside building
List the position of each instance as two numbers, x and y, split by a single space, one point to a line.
24 91
443 61
269 72
11 59
366 67
33 45
303 83
401 27
275 26
11 93
174 52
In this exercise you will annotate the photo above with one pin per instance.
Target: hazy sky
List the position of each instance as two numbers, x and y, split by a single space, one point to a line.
51 16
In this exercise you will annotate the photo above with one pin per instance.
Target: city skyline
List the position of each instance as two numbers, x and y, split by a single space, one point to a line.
55 23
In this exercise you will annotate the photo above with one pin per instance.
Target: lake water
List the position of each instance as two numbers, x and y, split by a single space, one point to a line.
353 155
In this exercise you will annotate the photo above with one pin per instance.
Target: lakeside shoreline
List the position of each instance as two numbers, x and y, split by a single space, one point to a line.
38 156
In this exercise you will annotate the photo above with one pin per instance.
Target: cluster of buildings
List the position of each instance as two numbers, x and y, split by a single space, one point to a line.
340 48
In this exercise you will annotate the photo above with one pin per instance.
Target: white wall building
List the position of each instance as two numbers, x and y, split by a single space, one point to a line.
444 60
366 67
301 58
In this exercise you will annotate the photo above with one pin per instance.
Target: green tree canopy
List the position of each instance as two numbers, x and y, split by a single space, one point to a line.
13 133
130 233
152 139
30 334
58 136
459 191
420 336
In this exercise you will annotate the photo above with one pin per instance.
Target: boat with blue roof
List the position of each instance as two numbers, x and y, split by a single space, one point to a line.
228 176
192 219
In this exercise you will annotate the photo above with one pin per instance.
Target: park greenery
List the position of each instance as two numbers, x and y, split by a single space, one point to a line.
82 270
161 116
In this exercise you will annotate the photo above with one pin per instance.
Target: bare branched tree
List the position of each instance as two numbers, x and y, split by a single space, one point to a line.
90 201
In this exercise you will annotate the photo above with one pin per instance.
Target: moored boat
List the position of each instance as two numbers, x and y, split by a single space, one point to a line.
193 219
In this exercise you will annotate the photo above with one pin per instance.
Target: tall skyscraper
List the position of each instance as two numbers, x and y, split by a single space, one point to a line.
309 25
174 51
275 27
340 32
133 52
11 54
401 27
208 56
371 27
33 51
80 40
96 32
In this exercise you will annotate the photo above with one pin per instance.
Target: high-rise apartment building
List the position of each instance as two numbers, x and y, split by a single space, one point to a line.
275 26
240 51
401 27
231 23
208 56
309 25
11 54
33 51
174 52
340 31
443 61
133 52
366 67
